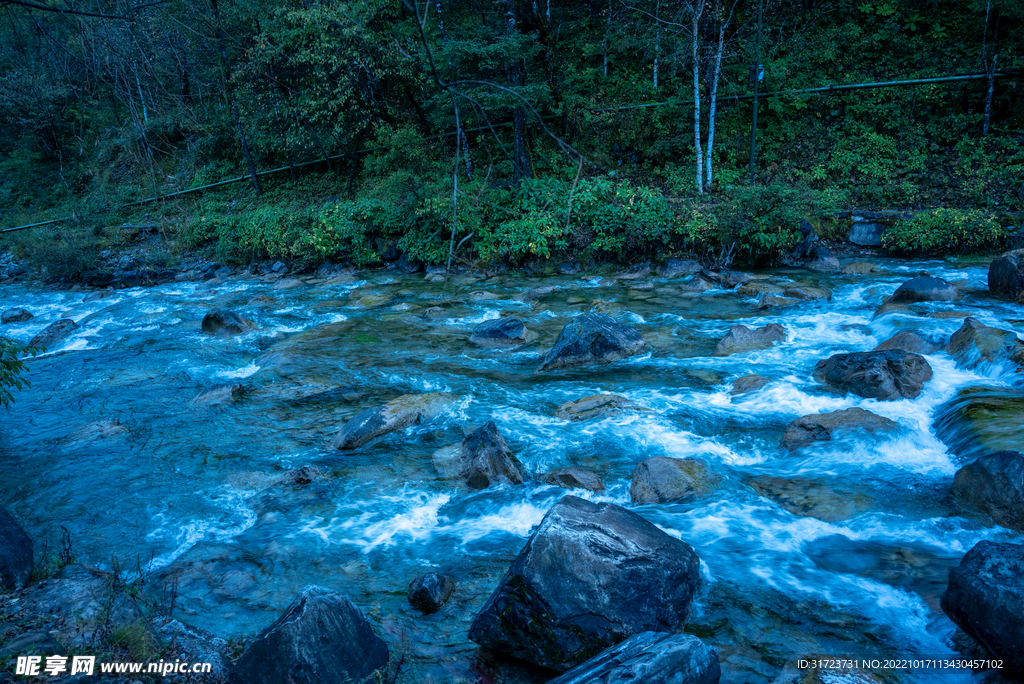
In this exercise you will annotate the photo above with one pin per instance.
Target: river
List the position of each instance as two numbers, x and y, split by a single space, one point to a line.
840 548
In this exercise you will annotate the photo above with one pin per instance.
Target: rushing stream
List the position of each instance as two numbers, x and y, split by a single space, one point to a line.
838 548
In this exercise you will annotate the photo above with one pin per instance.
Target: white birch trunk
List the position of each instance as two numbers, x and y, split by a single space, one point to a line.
698 9
713 106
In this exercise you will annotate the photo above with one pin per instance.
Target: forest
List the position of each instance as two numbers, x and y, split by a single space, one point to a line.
518 132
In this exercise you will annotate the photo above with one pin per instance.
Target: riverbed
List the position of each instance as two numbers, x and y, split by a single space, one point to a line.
839 548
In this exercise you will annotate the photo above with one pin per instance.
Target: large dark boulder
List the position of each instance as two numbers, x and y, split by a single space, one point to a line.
15 316
650 658
924 289
486 459
912 341
980 421
54 334
994 484
1006 276
397 414
503 332
15 553
429 592
975 344
591 339
821 259
661 480
321 637
590 576
882 375
225 323
819 427
743 339
985 598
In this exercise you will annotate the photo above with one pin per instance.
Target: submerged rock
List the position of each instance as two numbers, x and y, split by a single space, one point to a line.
397 414
981 420
15 316
882 375
1006 276
573 477
924 289
54 334
859 268
808 293
224 323
748 383
696 283
590 576
650 658
486 459
819 427
593 406
321 637
985 598
217 395
755 289
974 344
743 339
662 480
503 332
912 341
770 301
429 592
994 485
15 553
593 339
814 498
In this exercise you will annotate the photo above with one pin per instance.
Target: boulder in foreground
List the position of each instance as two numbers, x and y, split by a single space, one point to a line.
321 637
397 414
486 459
592 339
1006 276
985 598
590 576
650 658
882 375
994 484
975 343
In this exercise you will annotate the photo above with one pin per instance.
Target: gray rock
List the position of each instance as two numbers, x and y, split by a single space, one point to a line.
821 259
637 271
820 427
321 637
743 339
912 341
674 268
31 643
486 459
503 332
770 301
985 598
15 316
882 375
15 553
735 278
650 658
593 406
924 289
592 339
748 383
574 477
975 344
696 283
195 645
662 480
1006 276
225 323
397 414
590 576
429 592
994 485
54 334
808 293
217 395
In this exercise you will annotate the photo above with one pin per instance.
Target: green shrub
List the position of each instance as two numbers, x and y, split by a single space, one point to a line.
63 252
945 231
11 366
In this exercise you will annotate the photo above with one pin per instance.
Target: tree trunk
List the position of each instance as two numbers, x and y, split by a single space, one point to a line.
713 97
990 73
698 8
657 40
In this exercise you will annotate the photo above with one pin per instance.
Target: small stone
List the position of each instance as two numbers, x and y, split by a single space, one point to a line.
429 592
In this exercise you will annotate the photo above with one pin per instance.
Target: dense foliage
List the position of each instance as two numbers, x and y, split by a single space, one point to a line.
97 112
945 231
11 366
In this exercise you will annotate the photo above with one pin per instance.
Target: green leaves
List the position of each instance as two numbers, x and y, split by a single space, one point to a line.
945 231
11 366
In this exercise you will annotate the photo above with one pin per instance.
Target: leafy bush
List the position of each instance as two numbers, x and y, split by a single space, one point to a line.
11 366
64 253
945 231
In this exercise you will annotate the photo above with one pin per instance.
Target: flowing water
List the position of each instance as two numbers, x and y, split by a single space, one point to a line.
839 548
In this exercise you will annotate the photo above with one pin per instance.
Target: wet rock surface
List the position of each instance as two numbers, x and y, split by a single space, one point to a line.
652 658
985 598
924 289
591 576
662 480
15 553
16 315
397 414
429 592
743 339
593 406
1006 276
504 332
224 323
820 427
912 341
574 477
54 334
882 375
592 339
994 485
975 343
